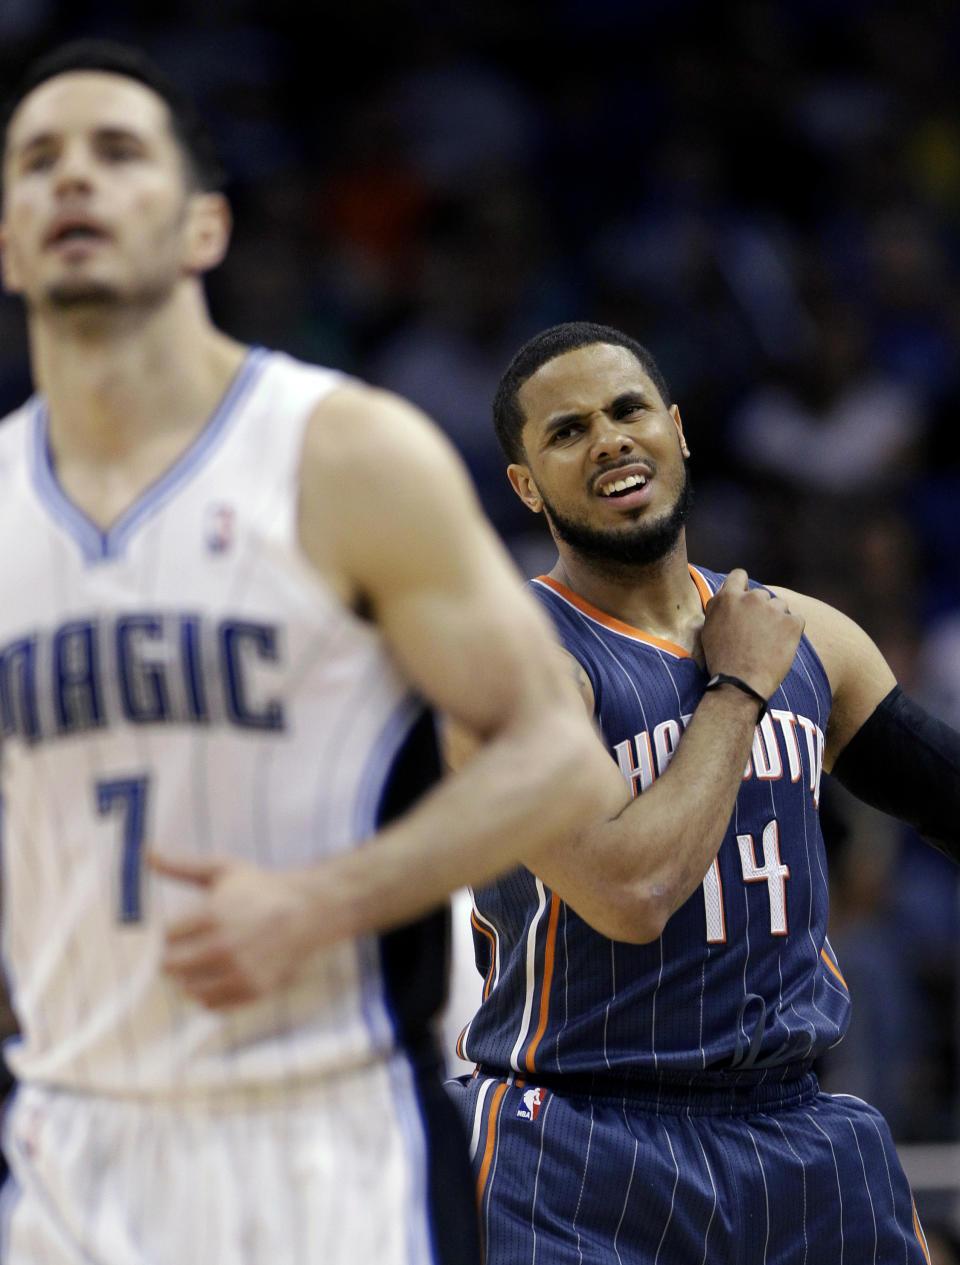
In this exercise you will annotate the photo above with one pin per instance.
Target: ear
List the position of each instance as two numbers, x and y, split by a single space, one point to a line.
522 483
8 268
675 414
208 232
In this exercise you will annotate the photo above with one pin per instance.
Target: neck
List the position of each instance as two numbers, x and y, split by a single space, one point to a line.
113 383
659 598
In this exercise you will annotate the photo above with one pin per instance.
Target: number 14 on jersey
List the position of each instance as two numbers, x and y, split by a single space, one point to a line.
771 871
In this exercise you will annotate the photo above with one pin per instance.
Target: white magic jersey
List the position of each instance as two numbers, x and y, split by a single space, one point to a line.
182 681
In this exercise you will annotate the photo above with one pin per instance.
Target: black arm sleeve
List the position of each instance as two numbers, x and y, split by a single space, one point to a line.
905 762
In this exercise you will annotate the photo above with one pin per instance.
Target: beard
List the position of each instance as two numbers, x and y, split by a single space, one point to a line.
640 544
68 296
94 307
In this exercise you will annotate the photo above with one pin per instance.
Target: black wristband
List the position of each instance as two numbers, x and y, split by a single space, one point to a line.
724 678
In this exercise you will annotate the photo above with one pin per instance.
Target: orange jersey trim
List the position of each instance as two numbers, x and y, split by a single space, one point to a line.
617 625
834 969
703 588
493 952
918 1230
549 956
488 1146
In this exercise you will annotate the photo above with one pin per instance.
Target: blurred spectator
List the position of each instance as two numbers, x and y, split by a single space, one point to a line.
479 287
864 424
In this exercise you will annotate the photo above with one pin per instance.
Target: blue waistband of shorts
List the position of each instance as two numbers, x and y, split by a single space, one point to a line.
723 1093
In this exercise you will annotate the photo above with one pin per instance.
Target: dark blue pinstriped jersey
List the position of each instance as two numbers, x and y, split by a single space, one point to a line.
742 975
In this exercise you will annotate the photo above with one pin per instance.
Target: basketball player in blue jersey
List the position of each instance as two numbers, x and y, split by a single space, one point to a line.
230 586
644 1090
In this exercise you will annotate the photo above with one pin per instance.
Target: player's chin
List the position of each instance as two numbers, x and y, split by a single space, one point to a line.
78 293
615 511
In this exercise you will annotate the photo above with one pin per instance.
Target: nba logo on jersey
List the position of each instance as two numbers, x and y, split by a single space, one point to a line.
530 1107
220 528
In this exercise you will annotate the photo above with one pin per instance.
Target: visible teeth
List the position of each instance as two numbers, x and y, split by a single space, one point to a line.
621 485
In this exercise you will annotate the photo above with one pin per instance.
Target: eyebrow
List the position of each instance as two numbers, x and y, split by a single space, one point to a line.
558 423
108 132
32 142
635 396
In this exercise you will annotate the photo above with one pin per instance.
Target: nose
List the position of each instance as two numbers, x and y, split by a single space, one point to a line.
73 170
609 440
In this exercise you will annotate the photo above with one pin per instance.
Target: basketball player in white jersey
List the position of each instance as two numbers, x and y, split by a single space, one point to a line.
230 585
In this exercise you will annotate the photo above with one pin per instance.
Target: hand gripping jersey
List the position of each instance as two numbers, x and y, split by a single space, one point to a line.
185 681
743 976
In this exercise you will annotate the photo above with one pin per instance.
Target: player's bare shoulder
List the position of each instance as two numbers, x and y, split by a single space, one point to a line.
355 415
837 639
859 675
374 469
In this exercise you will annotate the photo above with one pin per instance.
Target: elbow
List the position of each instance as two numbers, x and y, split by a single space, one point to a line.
632 913
651 908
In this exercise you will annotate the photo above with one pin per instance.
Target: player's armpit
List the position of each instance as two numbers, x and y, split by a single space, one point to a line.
906 762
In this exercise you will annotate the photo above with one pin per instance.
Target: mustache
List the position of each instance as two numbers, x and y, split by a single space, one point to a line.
621 465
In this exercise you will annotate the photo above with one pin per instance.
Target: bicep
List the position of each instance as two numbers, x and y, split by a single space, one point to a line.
414 547
456 617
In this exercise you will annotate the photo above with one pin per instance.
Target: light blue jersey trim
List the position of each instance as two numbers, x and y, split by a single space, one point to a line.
379 766
419 1237
9 1198
15 1039
10 1191
375 1010
99 546
370 791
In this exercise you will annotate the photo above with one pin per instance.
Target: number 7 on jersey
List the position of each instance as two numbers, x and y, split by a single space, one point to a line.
127 799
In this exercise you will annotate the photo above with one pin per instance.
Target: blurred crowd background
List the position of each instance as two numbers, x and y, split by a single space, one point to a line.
767 194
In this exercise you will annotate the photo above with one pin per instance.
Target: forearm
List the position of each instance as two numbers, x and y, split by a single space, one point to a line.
518 792
627 875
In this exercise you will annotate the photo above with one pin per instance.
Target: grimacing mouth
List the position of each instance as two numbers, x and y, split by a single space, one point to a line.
624 477
624 485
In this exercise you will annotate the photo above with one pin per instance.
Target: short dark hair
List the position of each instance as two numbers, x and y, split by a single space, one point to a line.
204 170
508 417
